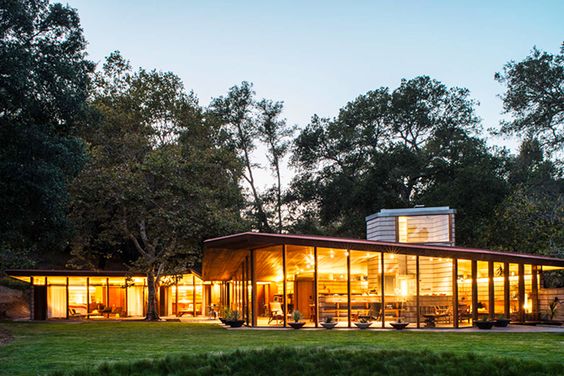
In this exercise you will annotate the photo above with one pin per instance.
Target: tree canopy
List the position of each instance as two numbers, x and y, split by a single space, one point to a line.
44 78
161 178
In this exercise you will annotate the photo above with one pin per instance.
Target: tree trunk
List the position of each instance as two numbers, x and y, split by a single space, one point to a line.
152 313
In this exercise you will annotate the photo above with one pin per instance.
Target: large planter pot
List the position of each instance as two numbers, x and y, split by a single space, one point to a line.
235 323
362 325
502 323
328 325
296 324
222 319
399 325
484 324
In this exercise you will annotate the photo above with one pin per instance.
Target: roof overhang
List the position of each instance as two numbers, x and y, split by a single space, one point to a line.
223 255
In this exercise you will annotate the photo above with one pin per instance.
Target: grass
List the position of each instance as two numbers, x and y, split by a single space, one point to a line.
42 348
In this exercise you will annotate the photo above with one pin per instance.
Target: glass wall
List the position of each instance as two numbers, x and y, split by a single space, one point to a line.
464 280
499 289
136 297
56 297
78 302
116 295
435 289
528 302
400 288
332 285
514 292
423 229
483 307
300 267
98 297
270 289
366 286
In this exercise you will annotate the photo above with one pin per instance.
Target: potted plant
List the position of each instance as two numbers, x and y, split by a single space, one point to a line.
502 322
484 323
224 314
399 325
234 320
297 316
552 311
328 322
363 323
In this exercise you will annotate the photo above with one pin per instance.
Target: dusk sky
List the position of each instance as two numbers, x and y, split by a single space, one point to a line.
316 56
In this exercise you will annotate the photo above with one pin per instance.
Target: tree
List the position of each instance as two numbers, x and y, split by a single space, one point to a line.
530 219
250 124
535 98
160 179
44 80
389 149
274 133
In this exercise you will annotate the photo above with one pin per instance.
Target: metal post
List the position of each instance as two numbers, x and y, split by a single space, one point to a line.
506 291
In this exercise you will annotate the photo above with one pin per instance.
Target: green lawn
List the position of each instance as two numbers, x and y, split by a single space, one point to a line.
40 348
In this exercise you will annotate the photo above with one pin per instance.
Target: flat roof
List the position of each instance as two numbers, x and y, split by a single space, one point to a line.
79 273
436 210
220 253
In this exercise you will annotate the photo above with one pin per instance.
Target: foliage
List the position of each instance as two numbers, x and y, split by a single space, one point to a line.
297 315
160 179
233 315
553 307
391 149
43 83
535 98
328 319
320 361
248 121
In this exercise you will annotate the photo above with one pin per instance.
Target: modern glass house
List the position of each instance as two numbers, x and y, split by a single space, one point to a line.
409 268
267 276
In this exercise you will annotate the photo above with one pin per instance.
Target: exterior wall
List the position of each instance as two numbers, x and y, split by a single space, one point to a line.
381 229
385 227
14 304
546 296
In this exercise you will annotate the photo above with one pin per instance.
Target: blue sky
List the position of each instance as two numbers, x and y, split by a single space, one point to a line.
317 55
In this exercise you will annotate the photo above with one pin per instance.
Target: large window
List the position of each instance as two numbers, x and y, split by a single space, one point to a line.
400 288
135 297
435 289
423 229
499 283
483 307
78 302
116 294
464 281
270 287
366 286
514 292
56 297
528 302
98 299
300 266
332 284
